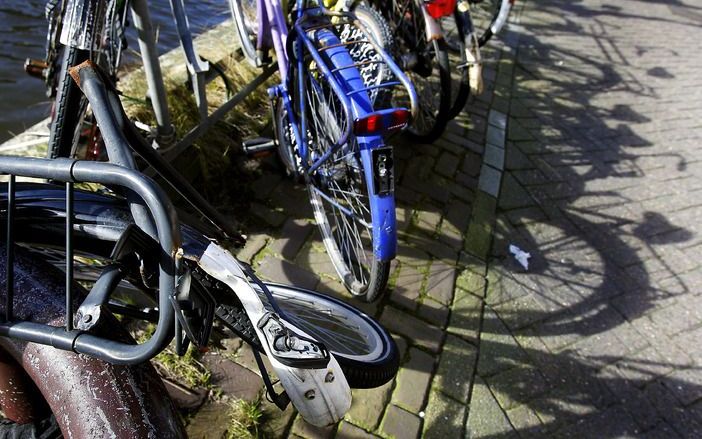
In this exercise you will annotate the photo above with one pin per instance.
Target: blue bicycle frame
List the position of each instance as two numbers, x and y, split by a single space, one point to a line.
348 86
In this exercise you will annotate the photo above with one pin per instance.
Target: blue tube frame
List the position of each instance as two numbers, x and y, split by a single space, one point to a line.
348 86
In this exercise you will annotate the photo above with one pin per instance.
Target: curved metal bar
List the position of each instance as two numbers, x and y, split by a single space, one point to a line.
168 235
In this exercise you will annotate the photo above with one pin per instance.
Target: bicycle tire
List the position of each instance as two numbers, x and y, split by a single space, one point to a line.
85 395
371 371
453 34
372 71
69 107
484 15
431 63
341 179
244 14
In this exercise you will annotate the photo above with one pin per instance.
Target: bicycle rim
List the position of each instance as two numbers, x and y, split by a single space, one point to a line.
482 14
339 195
343 330
245 17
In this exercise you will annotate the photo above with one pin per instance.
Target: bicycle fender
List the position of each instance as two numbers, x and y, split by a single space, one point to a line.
90 398
432 27
322 396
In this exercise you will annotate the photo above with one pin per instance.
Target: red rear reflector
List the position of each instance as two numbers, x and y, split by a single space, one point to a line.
382 122
440 8
400 117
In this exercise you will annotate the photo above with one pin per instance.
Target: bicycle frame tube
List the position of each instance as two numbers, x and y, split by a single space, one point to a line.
272 22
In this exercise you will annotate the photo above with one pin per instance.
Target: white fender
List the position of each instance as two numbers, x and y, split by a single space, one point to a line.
322 396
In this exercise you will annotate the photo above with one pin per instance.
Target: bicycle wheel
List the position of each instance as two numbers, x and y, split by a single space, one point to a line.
427 66
245 14
338 190
373 71
69 107
460 86
365 351
488 16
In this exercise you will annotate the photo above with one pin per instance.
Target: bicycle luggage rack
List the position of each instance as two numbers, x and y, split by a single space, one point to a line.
68 337
346 25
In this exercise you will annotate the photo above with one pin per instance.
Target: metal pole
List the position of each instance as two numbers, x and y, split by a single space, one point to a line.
69 256
165 131
10 251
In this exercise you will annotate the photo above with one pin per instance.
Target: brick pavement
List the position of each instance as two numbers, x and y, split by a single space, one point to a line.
599 338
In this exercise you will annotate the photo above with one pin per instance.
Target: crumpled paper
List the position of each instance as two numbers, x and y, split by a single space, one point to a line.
521 256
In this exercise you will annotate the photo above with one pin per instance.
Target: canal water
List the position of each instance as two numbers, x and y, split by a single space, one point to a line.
23 100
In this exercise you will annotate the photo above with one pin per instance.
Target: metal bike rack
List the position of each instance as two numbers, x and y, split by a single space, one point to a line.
69 338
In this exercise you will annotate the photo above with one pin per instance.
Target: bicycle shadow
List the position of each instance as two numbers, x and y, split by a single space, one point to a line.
576 344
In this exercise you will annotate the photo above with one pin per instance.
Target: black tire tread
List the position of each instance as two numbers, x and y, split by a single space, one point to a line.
68 106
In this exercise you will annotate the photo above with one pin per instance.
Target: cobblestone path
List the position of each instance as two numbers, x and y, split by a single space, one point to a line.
601 184
601 336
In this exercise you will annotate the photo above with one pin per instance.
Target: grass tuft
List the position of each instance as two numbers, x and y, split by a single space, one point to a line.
244 420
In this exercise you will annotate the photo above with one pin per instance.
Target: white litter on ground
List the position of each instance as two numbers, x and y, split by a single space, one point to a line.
521 256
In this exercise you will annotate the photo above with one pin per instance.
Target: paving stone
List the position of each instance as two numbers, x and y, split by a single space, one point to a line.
498 348
308 431
185 399
350 431
418 332
408 287
428 220
517 386
614 422
399 423
494 156
270 216
526 422
490 180
443 417
317 261
210 421
486 418
264 185
292 237
458 215
413 381
447 164
234 380
433 312
276 423
465 316
368 405
286 272
254 244
440 282
456 368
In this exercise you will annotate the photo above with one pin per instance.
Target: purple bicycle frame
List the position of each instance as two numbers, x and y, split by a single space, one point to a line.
273 29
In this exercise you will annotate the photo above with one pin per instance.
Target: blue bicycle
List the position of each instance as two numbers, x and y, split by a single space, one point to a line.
330 122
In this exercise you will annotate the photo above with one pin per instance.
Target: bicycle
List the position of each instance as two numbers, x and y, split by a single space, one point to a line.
128 236
422 53
470 27
327 130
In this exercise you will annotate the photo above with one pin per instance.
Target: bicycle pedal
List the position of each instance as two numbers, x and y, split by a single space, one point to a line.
258 147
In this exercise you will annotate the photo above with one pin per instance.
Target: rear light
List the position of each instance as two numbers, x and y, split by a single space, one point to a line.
382 122
440 8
